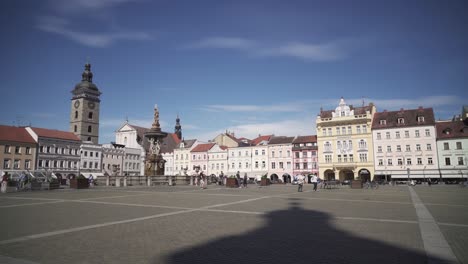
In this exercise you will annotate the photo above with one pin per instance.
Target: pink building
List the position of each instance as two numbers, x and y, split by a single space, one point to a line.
199 156
305 159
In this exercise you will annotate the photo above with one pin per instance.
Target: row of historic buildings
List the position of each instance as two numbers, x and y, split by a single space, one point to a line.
351 142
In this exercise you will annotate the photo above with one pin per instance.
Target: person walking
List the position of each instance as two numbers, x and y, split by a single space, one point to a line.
238 179
314 181
429 182
245 180
300 182
4 182
202 181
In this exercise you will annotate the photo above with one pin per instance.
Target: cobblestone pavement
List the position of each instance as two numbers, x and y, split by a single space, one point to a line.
274 224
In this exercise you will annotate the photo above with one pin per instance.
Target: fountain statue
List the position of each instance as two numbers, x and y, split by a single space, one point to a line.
154 163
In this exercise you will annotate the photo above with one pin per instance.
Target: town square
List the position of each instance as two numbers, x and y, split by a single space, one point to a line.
233 131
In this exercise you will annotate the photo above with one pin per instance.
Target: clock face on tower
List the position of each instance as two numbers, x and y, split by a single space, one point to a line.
91 105
77 104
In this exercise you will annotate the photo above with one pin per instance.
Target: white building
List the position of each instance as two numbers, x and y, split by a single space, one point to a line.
260 159
405 144
91 159
280 158
240 160
132 137
132 161
452 149
217 160
182 158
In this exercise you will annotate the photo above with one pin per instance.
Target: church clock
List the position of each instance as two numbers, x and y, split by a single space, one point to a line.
77 104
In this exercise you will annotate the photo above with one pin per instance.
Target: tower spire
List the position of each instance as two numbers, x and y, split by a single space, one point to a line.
156 125
87 75
178 128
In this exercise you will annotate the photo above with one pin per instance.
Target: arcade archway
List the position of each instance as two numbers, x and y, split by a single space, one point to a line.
346 174
364 175
329 175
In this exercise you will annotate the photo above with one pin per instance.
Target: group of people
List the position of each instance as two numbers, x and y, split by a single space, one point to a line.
300 179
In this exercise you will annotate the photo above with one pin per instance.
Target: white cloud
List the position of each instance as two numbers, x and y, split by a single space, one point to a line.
223 43
313 52
60 26
66 6
397 104
280 128
283 107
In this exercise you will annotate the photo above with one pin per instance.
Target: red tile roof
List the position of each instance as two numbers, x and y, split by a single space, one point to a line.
203 147
305 139
52 133
15 134
259 139
451 129
410 117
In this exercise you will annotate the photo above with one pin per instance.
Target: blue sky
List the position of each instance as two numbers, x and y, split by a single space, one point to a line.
251 67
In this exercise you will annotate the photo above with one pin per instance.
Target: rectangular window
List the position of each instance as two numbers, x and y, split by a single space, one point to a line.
390 162
429 161
48 149
364 129
358 129
428 133
328 158
298 166
418 147
428 147
329 131
379 136
419 161
380 162
16 164
406 134
304 154
305 165
446 146
28 150
339 158
460 160
400 161
416 133
389 148
408 148
383 122
401 120
459 145
397 134
273 165
351 159
324 132
343 130
363 157
7 149
338 131
379 149
408 161
240 165
281 165
256 164
17 150
263 164
6 163
387 135
447 161
349 130
256 152
85 164
27 164
297 155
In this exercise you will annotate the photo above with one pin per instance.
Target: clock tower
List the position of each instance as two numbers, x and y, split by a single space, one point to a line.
84 115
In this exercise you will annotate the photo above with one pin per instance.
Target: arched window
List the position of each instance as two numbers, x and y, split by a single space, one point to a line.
89 129
76 114
90 115
327 146
75 129
125 140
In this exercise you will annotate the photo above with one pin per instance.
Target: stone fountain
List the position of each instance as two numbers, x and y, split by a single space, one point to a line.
154 163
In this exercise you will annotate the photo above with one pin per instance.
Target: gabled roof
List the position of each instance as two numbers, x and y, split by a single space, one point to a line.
451 129
410 117
281 140
169 143
52 133
259 139
203 147
188 143
305 139
15 134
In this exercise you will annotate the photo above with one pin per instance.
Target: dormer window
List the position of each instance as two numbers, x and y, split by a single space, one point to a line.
401 120
447 131
383 122
420 119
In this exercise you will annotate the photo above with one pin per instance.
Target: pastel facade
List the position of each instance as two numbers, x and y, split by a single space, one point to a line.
280 158
217 160
240 160
199 157
112 159
344 139
405 144
452 148
91 159
17 149
182 157
305 155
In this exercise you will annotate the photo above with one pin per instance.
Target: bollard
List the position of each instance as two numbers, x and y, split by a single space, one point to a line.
149 180
117 182
108 180
125 181
191 179
170 180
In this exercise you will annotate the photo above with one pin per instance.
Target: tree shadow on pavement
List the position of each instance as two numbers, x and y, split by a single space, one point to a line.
297 236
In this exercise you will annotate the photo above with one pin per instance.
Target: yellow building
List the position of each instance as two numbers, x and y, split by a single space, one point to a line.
344 141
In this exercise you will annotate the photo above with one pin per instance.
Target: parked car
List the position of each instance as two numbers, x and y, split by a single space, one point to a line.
346 182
